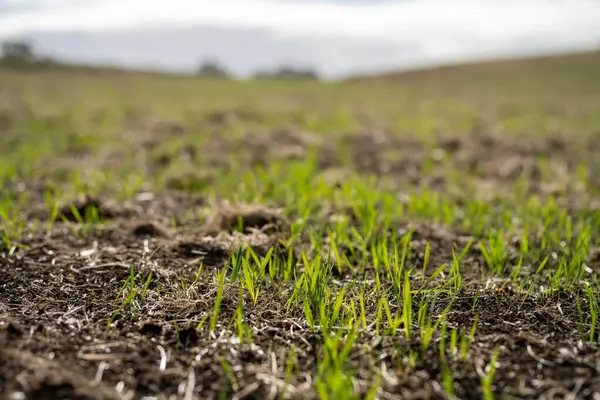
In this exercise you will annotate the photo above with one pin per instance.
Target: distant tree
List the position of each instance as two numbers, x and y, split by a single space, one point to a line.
213 70
17 53
287 73
20 54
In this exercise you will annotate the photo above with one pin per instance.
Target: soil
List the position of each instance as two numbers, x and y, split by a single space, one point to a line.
58 294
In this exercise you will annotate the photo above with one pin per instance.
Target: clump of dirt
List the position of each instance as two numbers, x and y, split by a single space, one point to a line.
262 147
10 329
381 152
205 250
233 116
151 328
428 231
188 337
165 126
221 117
502 156
244 218
451 144
150 228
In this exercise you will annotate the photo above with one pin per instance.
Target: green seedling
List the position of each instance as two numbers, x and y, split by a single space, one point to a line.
488 379
215 315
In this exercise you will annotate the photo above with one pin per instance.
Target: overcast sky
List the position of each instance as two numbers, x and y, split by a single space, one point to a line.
337 37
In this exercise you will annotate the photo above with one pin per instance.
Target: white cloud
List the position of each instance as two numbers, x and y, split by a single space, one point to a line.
444 30
490 19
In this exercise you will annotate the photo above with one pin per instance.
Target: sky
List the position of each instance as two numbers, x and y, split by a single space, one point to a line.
336 37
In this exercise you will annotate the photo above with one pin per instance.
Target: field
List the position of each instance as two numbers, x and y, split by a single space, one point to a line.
433 234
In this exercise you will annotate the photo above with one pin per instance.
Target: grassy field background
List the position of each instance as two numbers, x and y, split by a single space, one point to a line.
431 234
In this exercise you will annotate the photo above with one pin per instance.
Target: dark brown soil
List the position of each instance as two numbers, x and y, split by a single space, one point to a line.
56 299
